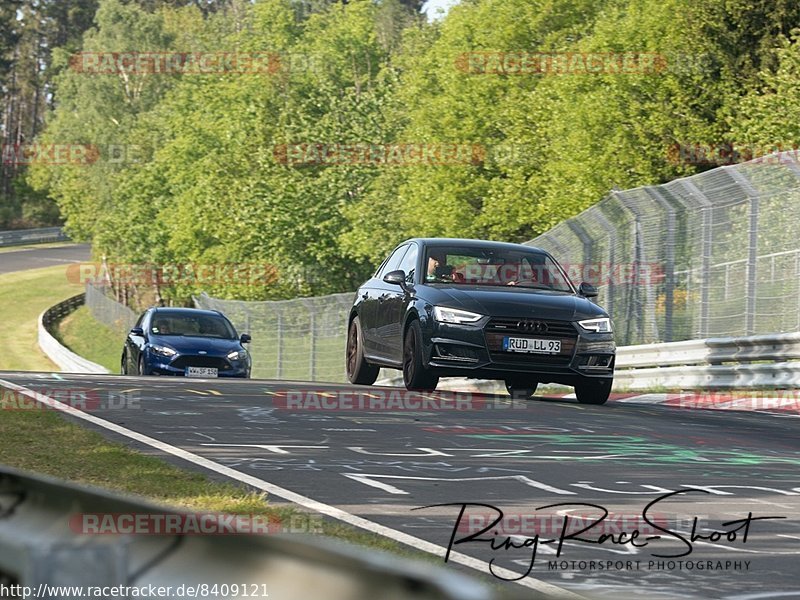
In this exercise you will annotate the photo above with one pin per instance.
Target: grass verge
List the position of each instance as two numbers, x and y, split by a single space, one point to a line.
24 295
88 337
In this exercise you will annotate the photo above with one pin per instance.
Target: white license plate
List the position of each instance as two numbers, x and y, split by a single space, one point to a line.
201 372
531 345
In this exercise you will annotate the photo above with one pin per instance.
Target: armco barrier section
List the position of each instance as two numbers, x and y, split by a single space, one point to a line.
760 361
67 361
32 236
44 542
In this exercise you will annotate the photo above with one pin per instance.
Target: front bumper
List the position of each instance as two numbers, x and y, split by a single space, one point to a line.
475 351
176 365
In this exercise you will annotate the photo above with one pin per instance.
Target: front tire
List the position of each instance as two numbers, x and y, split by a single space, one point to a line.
593 391
141 366
359 371
415 375
123 367
521 390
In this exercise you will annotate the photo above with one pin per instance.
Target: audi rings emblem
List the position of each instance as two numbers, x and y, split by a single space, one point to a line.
532 326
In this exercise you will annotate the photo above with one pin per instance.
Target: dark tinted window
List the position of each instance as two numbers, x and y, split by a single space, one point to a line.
409 263
494 266
392 263
198 325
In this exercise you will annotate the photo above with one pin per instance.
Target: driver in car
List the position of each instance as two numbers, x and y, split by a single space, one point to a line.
438 269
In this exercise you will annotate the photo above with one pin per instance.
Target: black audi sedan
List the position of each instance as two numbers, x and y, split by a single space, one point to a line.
185 341
479 309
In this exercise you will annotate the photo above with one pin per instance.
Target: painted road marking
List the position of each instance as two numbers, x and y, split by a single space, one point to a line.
277 449
370 480
304 501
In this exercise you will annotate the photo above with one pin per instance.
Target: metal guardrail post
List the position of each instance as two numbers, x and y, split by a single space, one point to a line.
279 362
312 335
707 237
613 240
752 248
669 267
638 260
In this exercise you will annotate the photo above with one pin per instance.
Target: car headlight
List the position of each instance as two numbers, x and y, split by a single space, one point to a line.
237 355
599 325
163 350
454 315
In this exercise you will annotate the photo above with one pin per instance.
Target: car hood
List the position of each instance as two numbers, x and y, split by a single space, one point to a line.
519 302
190 345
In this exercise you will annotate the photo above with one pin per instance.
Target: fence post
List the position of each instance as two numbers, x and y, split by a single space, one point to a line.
752 248
279 363
612 245
669 267
586 241
707 239
312 334
639 258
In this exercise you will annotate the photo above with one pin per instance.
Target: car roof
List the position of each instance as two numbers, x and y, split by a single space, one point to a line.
186 311
433 242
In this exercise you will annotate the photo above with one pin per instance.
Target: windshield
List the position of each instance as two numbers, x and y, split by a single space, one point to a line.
496 267
192 325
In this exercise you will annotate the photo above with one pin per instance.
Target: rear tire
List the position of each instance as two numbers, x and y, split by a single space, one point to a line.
521 390
593 391
359 371
415 375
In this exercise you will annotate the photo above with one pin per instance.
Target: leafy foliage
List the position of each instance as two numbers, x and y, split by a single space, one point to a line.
211 182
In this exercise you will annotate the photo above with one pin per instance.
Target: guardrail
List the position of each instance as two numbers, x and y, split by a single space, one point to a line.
40 548
67 361
758 361
32 236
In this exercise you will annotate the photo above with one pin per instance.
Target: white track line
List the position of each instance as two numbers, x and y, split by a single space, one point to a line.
309 503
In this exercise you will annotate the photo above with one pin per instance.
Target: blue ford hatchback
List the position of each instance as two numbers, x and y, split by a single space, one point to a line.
186 342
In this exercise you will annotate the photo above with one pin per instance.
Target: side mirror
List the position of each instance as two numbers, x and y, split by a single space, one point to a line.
137 331
587 290
245 339
395 277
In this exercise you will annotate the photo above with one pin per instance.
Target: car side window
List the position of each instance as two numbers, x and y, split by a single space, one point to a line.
140 319
393 262
409 263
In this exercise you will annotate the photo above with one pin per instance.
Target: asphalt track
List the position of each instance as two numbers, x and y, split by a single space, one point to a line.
35 258
383 460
